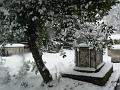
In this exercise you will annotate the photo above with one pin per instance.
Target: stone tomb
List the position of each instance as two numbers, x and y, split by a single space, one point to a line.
89 66
87 59
114 53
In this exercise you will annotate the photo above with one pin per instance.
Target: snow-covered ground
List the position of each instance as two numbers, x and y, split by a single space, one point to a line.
14 80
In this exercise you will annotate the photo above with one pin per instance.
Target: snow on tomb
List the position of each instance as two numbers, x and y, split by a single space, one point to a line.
89 66
12 49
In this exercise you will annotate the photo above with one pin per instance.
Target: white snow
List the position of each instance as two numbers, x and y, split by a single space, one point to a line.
3 73
56 64
14 63
83 45
13 45
115 36
116 46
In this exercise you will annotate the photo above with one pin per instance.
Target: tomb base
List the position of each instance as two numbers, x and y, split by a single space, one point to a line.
98 78
88 69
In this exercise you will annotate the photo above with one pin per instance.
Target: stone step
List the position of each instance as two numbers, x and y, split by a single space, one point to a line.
98 78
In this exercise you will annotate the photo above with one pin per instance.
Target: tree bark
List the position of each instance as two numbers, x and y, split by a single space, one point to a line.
47 77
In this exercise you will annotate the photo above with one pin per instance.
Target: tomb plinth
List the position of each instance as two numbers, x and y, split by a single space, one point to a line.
87 59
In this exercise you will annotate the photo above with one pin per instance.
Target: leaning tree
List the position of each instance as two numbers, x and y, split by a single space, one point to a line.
31 16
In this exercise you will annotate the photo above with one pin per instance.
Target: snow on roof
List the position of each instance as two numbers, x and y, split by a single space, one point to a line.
117 46
13 45
82 45
116 36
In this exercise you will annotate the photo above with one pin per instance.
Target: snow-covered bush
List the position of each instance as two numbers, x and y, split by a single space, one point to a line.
54 46
23 71
24 84
2 60
94 34
27 65
34 67
21 74
58 76
6 78
21 77
4 75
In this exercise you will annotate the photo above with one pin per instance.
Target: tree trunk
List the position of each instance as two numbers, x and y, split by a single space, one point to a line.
47 77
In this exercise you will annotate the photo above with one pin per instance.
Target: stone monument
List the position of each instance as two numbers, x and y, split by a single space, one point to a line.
87 57
89 66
